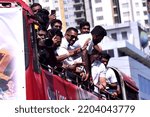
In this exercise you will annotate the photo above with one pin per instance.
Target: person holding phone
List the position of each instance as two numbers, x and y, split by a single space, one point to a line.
52 16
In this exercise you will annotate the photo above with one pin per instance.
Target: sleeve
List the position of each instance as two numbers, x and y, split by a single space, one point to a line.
61 51
111 76
102 70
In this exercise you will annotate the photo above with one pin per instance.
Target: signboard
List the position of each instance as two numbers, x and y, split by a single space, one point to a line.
12 69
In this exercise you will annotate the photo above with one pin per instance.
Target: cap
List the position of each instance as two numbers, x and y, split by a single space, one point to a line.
99 31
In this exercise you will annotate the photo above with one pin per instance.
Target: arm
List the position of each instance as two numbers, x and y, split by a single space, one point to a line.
98 48
86 60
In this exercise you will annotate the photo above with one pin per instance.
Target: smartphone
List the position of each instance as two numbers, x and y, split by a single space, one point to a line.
53 12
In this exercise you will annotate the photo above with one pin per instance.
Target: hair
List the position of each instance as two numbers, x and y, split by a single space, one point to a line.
72 28
99 30
105 55
42 17
85 23
55 21
42 28
53 32
35 4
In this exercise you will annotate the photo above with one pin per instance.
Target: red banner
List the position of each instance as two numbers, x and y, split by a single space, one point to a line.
58 88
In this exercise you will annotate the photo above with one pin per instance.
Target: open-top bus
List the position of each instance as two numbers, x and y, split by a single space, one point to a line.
30 81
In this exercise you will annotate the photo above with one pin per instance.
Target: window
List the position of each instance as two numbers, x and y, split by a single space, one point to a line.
110 52
137 4
99 9
146 21
116 11
114 36
125 5
100 18
76 1
67 24
144 84
126 14
98 1
56 1
120 53
124 35
45 0
65 9
145 12
115 2
78 15
138 13
144 4
117 19
66 16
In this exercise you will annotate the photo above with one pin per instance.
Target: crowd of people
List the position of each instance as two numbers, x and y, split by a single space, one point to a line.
75 53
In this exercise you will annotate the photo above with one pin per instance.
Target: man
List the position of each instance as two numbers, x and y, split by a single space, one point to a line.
84 27
98 71
36 7
111 79
57 24
93 38
70 53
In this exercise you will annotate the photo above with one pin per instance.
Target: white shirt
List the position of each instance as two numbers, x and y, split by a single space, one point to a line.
98 70
110 76
82 39
63 49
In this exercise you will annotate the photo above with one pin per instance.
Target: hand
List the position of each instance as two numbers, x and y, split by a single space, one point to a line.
86 77
114 95
101 87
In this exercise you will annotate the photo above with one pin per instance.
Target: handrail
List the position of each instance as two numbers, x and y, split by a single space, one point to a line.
102 94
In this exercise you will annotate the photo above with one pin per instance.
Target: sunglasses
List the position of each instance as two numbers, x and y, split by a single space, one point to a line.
73 37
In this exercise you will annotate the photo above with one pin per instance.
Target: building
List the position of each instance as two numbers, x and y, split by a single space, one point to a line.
119 11
57 5
125 46
77 11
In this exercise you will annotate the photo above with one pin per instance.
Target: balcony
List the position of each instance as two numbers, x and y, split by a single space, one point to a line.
79 10
78 3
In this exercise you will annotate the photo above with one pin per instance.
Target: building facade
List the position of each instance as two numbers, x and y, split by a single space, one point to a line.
125 47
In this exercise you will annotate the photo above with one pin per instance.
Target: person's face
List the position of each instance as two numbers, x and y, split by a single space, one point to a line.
56 41
41 37
85 29
97 39
57 26
104 61
41 34
71 37
36 9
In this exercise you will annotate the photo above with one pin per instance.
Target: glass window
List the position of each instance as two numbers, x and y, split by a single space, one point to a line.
99 9
120 53
110 52
124 35
146 21
114 36
145 12
144 84
138 13
137 4
126 14
100 18
125 5
144 4
98 1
